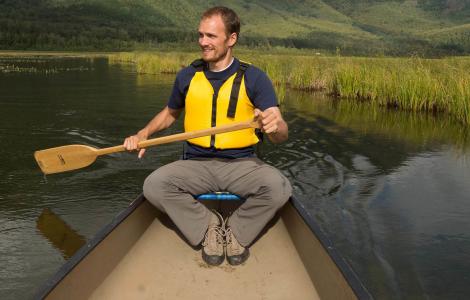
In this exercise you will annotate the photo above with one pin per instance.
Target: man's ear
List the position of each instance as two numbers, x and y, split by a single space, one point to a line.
232 39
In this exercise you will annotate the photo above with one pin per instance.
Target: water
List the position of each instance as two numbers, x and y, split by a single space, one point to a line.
389 188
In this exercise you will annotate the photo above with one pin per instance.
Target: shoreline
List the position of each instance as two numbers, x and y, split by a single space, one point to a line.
413 84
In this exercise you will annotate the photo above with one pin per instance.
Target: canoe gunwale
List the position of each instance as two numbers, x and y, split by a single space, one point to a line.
66 268
350 276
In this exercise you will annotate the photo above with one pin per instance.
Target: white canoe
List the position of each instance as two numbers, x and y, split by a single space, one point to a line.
140 255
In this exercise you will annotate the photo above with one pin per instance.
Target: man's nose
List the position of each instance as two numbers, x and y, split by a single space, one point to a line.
203 41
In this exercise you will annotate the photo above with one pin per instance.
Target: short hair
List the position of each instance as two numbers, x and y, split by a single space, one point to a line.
229 17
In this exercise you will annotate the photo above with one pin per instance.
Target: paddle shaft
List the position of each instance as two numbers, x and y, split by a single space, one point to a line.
183 136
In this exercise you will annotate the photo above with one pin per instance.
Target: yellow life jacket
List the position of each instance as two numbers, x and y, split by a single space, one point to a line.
205 109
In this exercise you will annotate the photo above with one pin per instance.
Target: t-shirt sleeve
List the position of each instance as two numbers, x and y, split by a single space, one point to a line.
180 88
176 100
260 88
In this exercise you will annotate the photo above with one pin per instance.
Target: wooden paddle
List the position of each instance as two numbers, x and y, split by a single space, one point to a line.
72 157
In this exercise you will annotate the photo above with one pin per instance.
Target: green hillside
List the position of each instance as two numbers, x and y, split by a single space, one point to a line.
362 27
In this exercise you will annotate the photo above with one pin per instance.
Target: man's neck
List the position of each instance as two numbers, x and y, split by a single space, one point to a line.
223 69
222 64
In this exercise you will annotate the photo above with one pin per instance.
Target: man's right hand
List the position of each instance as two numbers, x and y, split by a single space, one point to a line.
161 121
131 143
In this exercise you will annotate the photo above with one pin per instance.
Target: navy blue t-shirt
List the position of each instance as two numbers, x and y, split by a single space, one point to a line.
258 87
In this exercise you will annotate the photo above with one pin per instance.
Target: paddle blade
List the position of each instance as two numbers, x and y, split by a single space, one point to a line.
65 158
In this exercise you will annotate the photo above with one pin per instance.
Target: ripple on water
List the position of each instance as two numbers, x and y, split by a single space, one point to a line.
312 172
93 136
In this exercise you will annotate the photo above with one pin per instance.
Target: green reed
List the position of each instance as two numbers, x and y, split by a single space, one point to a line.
416 84
411 84
154 63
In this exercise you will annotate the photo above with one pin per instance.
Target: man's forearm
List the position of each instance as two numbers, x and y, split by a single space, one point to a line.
161 121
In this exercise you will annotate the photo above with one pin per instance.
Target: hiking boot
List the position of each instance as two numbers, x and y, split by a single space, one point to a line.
213 244
236 253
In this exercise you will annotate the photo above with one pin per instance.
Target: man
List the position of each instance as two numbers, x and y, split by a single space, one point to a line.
211 95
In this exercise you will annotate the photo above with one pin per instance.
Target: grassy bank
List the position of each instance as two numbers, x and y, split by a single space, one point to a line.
415 84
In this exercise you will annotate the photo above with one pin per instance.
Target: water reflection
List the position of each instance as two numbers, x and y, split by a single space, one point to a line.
59 233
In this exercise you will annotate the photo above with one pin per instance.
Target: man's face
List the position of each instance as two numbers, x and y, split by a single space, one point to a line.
213 39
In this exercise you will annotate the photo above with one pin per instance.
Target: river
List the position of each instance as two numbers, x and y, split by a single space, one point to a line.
390 188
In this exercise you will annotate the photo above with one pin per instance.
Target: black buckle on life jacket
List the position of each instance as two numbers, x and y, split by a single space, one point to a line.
232 106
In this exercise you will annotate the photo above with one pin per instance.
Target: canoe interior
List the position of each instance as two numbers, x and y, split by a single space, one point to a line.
142 256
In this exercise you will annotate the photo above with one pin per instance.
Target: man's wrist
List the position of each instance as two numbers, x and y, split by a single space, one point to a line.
143 134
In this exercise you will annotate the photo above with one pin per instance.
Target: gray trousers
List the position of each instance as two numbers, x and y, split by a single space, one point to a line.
171 189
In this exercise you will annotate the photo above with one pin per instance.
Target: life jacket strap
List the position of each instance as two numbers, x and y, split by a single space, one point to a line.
232 106
198 64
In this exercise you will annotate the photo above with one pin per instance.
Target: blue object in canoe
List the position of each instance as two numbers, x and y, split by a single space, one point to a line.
219 196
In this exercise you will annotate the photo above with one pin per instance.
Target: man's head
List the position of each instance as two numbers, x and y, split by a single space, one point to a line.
218 33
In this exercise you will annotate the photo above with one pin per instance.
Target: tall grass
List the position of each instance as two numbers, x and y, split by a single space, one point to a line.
154 63
411 84
436 85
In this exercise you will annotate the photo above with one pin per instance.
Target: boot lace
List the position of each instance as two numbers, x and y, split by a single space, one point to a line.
233 247
215 233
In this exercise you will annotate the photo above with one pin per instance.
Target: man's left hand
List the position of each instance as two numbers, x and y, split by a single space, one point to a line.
273 124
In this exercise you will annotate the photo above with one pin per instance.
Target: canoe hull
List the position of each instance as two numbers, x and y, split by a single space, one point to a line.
98 263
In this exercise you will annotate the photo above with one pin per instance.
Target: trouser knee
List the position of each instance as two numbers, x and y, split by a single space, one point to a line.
153 188
278 189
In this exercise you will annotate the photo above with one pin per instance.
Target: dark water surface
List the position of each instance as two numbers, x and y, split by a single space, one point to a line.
391 189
